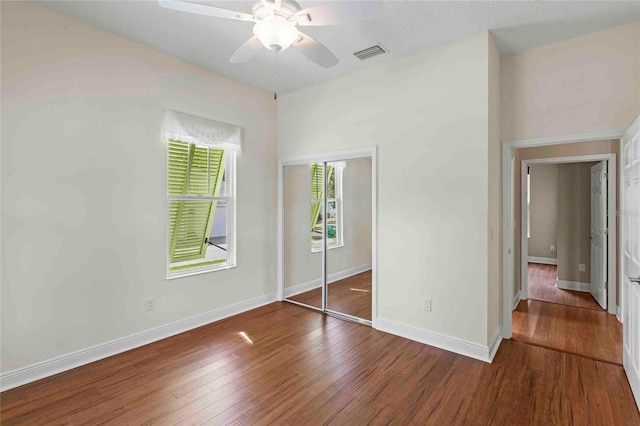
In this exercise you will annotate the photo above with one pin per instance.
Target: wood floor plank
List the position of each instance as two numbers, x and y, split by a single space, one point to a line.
302 367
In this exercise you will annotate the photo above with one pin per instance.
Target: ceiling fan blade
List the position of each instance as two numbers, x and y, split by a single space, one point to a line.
342 12
245 52
202 9
315 51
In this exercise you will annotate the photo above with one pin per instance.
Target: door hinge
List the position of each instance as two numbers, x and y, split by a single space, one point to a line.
606 231
606 285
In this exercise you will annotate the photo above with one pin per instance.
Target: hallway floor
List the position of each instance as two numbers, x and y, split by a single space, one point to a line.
586 332
542 287
569 321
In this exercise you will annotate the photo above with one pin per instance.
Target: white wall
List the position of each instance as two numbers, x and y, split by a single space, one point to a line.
302 265
83 186
428 115
580 85
494 240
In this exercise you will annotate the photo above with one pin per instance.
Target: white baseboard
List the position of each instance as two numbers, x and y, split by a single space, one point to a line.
516 299
40 370
573 285
619 314
448 343
543 260
337 276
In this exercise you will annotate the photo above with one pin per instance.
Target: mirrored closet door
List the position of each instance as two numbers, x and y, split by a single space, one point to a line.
302 237
327 236
349 238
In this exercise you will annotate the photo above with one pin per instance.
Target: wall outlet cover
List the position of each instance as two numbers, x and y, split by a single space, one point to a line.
581 267
149 303
552 248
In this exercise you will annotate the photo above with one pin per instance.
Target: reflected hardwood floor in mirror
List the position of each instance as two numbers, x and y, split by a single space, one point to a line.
350 296
542 286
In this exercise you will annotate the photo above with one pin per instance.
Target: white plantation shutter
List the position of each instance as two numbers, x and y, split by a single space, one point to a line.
193 171
189 229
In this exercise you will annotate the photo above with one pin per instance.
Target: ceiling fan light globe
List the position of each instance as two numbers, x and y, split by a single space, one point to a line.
275 32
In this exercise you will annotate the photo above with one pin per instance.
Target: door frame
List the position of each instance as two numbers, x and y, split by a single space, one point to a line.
612 230
508 188
342 155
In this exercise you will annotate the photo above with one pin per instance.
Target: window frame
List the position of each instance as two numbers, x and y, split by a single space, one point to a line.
229 199
338 169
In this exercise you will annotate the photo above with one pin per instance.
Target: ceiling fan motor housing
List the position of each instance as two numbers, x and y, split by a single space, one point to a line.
276 26
275 32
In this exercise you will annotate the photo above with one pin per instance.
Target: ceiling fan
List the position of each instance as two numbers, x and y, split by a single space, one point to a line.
276 23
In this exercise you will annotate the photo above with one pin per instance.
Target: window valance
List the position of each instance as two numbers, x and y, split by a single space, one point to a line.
201 131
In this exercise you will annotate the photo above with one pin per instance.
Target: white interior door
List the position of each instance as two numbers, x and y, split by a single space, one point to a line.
631 256
598 235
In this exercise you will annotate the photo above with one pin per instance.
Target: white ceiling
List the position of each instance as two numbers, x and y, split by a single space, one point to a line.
405 27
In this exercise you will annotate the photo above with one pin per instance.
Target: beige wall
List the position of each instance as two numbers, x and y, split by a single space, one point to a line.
543 210
580 85
300 264
554 151
574 221
432 175
84 207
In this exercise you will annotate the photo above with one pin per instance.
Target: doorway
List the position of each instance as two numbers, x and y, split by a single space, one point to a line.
327 247
566 232
554 297
566 223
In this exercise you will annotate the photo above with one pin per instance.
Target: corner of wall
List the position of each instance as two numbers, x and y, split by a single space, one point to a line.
494 217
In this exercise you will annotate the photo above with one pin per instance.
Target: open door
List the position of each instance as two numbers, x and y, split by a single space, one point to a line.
598 234
631 256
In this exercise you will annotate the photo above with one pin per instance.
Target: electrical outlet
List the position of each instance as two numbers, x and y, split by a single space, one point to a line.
427 305
149 303
581 267
552 248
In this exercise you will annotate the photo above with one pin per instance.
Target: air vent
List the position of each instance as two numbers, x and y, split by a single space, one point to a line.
369 52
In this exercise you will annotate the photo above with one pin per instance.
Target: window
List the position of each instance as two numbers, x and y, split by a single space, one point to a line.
200 188
333 220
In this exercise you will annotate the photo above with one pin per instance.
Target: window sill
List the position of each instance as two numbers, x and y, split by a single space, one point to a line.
172 275
332 246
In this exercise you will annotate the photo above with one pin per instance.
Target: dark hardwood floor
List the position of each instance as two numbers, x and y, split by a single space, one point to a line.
283 364
349 296
542 286
587 332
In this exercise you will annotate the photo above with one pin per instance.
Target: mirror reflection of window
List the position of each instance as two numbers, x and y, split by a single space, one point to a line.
333 218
